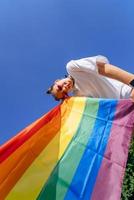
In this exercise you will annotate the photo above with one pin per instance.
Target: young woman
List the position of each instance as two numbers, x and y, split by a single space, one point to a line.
94 77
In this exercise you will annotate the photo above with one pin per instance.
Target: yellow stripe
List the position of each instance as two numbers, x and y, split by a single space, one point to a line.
37 174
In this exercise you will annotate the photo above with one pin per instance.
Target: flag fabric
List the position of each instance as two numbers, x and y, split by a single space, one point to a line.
76 151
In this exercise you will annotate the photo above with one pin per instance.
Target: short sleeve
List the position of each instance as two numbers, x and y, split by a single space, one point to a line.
85 64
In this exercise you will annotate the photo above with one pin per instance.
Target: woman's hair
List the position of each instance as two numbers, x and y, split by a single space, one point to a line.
49 91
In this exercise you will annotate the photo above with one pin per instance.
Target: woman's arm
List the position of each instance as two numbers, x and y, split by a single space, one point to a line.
114 72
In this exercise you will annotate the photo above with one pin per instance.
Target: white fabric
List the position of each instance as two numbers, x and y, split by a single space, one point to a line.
89 83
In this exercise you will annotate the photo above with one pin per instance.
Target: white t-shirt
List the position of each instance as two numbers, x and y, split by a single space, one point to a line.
89 83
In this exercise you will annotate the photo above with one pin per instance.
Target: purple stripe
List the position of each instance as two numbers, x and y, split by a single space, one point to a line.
109 181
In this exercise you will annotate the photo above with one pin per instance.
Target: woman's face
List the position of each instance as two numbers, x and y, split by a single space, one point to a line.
62 87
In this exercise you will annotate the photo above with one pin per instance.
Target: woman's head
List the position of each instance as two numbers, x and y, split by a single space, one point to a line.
61 88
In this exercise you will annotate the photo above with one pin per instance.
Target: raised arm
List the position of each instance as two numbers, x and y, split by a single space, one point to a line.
115 72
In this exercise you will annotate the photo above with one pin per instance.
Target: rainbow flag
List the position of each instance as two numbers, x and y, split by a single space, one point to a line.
76 151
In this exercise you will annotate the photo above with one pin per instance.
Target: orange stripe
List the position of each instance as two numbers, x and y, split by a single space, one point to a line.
7 149
41 168
18 162
13 167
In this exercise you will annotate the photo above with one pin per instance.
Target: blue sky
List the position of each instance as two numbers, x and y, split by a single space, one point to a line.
38 38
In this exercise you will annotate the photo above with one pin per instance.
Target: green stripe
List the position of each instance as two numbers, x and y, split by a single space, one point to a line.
60 179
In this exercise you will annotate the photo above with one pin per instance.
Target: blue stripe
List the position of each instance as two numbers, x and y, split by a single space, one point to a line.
84 179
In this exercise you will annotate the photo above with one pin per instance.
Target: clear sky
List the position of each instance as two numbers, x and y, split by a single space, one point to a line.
38 38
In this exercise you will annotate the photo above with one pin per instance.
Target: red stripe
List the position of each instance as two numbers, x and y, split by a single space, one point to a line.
8 148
